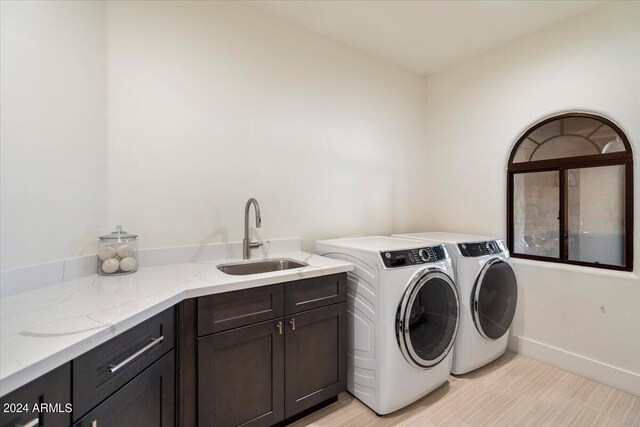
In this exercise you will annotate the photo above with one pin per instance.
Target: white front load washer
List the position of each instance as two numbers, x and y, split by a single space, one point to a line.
488 293
402 308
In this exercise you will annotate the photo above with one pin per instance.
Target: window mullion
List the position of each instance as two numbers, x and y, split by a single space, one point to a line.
562 215
628 217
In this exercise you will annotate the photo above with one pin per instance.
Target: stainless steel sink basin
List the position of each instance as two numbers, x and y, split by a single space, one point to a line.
260 266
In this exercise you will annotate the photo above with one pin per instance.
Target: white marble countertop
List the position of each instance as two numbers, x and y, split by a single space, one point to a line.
44 328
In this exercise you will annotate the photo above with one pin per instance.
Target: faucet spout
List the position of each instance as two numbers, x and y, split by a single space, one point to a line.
247 244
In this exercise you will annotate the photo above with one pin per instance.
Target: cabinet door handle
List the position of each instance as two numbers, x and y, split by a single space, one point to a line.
94 423
279 326
292 322
154 342
33 423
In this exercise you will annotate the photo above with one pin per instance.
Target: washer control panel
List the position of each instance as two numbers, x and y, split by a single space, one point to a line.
409 257
476 249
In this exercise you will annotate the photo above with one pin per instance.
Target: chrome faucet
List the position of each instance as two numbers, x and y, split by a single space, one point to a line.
247 244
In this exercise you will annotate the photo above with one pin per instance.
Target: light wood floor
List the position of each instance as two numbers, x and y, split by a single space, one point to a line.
512 391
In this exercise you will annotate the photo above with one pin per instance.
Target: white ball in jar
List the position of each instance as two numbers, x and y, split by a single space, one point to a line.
127 264
106 253
110 266
124 251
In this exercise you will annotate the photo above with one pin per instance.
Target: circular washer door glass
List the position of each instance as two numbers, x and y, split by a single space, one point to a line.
430 319
496 295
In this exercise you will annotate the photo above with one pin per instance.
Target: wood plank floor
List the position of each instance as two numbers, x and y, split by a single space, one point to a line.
512 391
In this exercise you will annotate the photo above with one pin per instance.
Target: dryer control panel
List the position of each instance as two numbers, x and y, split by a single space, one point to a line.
409 257
476 249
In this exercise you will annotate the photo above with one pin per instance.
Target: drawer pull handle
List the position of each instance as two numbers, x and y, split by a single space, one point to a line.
33 423
293 324
279 326
154 342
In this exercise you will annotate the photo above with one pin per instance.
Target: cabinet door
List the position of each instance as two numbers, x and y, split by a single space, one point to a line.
146 401
52 390
316 357
241 376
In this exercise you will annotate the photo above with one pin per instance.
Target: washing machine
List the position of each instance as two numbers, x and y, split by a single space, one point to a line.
488 293
402 318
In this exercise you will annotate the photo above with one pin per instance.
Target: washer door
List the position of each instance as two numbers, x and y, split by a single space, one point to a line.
494 299
427 319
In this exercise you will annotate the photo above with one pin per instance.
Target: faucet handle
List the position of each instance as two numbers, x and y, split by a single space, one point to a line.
254 245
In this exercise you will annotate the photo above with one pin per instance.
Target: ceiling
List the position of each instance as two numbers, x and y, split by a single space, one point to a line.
424 36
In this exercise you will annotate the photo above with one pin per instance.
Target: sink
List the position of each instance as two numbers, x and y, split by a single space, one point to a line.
260 266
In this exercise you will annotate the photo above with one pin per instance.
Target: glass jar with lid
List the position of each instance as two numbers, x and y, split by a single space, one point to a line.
118 253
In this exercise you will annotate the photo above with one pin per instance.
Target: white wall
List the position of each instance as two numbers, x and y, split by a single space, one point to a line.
211 103
52 129
477 110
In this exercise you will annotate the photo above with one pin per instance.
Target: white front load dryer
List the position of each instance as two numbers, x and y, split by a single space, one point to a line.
402 316
488 293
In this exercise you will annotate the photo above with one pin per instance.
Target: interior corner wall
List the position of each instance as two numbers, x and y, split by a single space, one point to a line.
582 319
211 103
52 130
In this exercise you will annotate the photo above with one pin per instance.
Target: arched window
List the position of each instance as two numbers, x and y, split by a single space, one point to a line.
570 193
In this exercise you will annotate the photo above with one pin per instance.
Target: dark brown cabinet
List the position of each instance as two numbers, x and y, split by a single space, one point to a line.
241 376
50 392
264 373
146 401
315 354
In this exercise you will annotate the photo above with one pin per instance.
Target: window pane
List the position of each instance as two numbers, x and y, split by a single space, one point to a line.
525 149
564 146
497 298
596 214
535 213
432 320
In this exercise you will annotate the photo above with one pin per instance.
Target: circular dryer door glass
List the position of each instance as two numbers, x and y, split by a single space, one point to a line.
430 319
496 294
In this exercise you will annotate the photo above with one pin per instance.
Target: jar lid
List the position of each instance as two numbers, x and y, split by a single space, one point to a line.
118 235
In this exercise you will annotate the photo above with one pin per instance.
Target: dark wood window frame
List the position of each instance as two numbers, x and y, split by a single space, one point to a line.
561 165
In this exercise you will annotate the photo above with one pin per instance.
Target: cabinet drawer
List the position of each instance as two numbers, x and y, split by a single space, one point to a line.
148 400
53 388
220 312
103 370
313 293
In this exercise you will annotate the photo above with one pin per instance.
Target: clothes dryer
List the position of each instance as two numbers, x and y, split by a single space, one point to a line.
402 308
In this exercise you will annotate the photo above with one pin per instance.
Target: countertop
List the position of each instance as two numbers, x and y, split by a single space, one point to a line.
44 328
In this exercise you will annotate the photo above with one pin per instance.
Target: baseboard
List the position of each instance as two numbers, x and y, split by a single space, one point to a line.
606 374
306 412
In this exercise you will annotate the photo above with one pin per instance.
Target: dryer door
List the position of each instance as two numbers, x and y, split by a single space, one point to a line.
427 319
493 299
